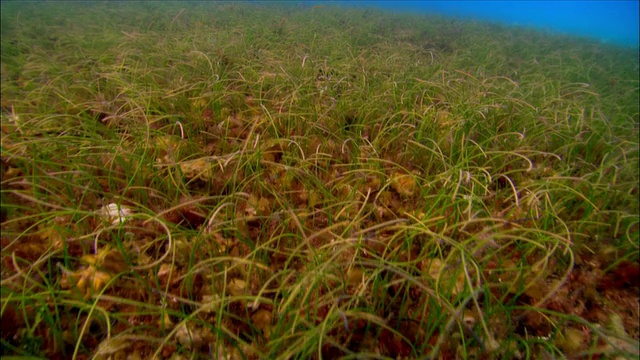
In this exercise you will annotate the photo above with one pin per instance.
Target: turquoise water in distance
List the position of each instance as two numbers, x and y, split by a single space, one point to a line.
614 22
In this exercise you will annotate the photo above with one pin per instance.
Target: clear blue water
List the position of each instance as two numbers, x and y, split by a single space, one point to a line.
613 22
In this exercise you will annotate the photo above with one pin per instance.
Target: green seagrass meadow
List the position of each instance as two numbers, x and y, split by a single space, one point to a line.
278 181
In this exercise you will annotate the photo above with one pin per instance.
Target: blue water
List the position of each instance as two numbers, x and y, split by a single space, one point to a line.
613 22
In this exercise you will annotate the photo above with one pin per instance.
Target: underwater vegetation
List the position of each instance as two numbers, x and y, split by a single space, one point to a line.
238 181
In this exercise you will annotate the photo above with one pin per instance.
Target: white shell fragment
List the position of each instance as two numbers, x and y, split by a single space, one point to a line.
115 213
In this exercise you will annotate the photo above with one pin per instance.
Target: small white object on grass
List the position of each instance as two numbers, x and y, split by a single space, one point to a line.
115 213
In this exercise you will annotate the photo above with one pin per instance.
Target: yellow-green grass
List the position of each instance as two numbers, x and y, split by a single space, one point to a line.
252 181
